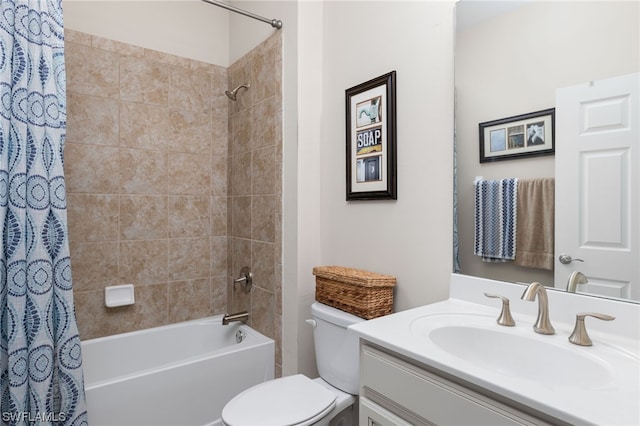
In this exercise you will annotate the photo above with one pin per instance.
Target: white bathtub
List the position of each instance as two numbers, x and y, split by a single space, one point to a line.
180 374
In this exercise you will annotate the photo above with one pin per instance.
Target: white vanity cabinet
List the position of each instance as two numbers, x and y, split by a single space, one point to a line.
395 392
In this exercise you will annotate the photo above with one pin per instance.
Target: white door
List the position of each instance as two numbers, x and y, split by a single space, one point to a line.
598 186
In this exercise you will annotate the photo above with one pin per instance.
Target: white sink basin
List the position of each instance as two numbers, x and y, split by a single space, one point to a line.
520 353
515 355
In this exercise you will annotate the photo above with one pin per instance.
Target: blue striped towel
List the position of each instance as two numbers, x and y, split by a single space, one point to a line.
496 219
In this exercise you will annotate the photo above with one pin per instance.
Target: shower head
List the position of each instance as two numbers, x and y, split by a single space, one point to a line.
232 94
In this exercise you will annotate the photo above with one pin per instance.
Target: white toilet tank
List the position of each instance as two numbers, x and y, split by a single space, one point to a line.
337 351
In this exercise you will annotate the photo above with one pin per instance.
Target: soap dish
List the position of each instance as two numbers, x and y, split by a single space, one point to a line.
119 295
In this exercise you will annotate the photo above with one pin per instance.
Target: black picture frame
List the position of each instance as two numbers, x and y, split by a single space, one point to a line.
520 136
371 139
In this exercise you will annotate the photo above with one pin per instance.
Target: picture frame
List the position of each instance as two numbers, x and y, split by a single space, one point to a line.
525 135
371 139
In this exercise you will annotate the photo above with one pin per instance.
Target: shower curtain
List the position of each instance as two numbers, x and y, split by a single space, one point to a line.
41 378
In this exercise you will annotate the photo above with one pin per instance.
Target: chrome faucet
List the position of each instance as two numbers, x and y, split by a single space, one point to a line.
575 279
542 325
240 316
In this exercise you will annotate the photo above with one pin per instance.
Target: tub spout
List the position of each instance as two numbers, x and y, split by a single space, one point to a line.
239 316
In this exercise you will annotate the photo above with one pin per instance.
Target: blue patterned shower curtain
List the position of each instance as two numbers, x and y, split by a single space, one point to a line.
41 378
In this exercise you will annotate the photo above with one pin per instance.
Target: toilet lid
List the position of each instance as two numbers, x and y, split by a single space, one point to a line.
291 400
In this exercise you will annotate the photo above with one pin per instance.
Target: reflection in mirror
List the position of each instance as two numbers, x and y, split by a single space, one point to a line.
512 63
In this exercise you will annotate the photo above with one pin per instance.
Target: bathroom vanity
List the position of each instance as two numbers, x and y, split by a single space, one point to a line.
450 363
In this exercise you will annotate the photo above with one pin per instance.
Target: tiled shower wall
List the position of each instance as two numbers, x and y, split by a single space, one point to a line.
255 189
149 163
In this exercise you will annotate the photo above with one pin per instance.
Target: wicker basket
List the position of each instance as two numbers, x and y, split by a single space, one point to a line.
361 293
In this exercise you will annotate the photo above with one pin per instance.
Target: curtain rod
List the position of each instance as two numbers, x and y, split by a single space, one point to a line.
275 23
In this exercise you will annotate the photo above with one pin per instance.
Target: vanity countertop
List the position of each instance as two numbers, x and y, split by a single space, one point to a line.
608 396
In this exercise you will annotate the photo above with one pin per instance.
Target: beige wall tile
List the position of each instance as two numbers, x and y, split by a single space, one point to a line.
277 324
219 257
92 120
240 174
76 37
265 70
190 132
143 217
218 216
240 300
189 300
278 238
150 310
143 172
263 218
144 80
219 84
262 312
219 295
189 258
92 217
264 165
91 71
94 265
189 174
189 216
167 58
94 319
240 73
189 90
265 121
240 219
116 46
241 125
92 168
220 135
144 262
239 255
219 175
263 265
144 126
278 288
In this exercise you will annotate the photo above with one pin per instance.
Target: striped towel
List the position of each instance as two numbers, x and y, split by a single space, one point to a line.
496 209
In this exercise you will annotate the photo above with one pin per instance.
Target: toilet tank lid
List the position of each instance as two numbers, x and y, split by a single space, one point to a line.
333 315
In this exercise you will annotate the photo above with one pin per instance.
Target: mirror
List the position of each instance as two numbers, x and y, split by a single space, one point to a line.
510 58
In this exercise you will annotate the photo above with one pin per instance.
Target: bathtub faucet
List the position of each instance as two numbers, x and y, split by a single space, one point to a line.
240 316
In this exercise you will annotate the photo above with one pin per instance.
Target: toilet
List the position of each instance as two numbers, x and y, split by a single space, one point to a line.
299 400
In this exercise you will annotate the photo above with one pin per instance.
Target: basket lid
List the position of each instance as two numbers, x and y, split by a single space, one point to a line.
352 275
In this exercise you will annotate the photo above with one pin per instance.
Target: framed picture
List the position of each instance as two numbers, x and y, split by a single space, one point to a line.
371 139
525 135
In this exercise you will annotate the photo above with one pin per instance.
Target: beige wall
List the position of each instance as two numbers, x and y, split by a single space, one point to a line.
410 238
499 76
198 30
342 44
146 168
157 195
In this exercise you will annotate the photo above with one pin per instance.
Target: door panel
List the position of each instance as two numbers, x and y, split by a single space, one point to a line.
597 186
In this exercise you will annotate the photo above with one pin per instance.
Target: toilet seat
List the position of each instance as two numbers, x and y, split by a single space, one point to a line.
287 401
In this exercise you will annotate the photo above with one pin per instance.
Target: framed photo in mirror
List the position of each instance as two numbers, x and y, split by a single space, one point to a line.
525 135
371 139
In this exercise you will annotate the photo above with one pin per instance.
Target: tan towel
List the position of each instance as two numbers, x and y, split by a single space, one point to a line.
535 226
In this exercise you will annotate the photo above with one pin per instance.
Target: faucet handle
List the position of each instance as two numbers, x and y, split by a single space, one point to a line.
579 335
505 317
246 279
